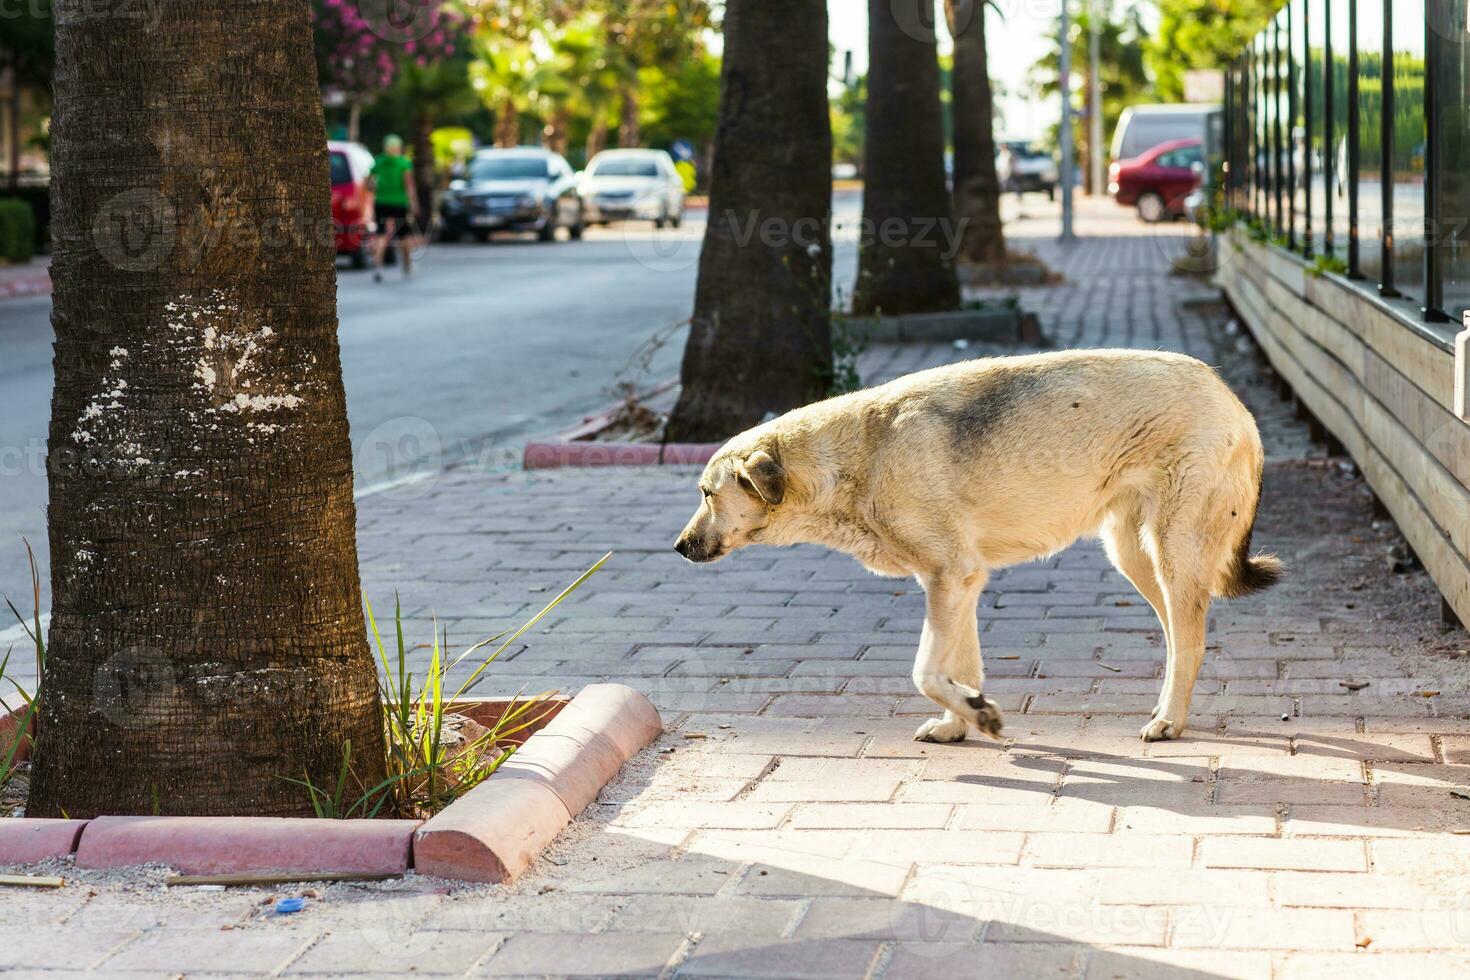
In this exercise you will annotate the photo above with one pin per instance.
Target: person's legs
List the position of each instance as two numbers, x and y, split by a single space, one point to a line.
405 246
380 245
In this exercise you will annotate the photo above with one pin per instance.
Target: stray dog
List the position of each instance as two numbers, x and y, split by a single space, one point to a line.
949 473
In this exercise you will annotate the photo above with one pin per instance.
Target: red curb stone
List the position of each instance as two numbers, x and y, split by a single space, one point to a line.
29 839
554 455
574 768
234 845
495 831
492 833
614 710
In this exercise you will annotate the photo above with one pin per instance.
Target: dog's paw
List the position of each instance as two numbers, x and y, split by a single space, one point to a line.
944 729
1161 730
987 716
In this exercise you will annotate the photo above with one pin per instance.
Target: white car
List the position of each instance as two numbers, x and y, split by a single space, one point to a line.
1021 167
640 185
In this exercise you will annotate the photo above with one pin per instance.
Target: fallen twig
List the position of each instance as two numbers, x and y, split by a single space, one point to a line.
32 881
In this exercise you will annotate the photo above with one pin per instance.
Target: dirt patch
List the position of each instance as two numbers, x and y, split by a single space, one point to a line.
1321 512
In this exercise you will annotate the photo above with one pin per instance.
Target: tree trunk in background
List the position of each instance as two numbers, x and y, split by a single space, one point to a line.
976 187
906 260
556 138
508 125
630 129
596 135
760 338
14 126
425 177
207 638
354 118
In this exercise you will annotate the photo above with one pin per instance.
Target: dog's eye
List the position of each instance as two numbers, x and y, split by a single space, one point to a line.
705 492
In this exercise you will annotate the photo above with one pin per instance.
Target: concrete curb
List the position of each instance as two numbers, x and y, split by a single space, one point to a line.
556 455
492 833
495 831
1001 325
30 839
242 845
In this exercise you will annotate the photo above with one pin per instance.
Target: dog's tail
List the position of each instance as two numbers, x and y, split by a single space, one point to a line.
1245 573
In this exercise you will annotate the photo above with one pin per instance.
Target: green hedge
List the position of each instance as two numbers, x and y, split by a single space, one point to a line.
17 230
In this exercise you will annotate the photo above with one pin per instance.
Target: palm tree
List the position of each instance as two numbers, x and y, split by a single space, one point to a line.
644 33
976 187
760 337
589 80
510 74
427 91
1121 63
207 638
903 265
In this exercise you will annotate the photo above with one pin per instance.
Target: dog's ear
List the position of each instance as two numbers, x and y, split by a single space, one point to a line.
765 476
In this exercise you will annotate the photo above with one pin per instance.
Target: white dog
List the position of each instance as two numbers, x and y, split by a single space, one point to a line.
949 473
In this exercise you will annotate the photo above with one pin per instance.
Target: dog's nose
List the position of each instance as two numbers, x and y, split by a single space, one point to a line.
682 547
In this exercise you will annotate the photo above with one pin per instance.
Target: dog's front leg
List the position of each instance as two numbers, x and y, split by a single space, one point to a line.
947 669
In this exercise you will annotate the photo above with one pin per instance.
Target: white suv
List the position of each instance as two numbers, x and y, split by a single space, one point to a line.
620 185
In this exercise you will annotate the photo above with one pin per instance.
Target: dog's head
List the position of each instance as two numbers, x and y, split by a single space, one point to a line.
741 487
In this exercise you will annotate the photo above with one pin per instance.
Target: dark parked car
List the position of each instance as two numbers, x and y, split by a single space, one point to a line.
522 189
1158 180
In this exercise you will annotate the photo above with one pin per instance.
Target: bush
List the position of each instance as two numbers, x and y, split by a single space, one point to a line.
17 230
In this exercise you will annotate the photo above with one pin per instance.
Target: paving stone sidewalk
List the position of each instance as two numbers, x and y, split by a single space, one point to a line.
787 825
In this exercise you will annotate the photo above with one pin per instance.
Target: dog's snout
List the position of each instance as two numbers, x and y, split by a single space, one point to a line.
694 548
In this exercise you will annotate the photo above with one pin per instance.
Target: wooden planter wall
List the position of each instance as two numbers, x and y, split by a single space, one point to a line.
1380 381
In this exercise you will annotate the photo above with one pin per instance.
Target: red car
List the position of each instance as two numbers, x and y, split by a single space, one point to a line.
1159 179
351 200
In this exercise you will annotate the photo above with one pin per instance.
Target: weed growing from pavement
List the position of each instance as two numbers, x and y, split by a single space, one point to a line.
848 344
9 767
425 772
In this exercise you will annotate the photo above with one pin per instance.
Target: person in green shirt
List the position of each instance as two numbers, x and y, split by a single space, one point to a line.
394 204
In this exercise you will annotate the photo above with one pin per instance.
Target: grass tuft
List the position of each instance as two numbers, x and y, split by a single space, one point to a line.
425 774
8 764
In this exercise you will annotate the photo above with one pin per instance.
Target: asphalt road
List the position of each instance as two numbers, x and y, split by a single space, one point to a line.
485 346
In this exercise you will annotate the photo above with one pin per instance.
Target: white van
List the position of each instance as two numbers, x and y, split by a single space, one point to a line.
1142 127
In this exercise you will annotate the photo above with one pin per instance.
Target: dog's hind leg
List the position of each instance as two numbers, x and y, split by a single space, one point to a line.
1185 565
947 669
1189 604
1122 536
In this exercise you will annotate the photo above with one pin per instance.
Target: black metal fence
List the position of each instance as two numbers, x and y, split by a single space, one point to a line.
1348 141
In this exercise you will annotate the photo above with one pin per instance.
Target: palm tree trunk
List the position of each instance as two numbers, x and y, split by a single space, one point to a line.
207 637
13 121
760 337
561 121
630 128
425 177
596 133
976 187
508 125
905 260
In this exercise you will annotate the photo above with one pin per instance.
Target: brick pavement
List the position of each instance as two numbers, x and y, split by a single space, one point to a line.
788 826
